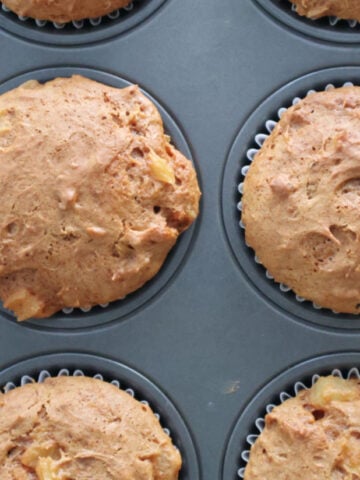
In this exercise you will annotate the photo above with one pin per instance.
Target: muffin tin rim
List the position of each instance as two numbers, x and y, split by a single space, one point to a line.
255 404
56 39
159 399
178 256
308 28
235 156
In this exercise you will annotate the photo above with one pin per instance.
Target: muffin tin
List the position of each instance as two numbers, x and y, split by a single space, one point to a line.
210 341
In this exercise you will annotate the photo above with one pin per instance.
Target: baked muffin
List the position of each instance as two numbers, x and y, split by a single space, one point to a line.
314 436
349 9
301 200
62 11
93 195
81 428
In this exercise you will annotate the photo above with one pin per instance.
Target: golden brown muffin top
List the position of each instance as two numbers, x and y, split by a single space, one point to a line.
81 428
347 9
62 11
314 436
302 197
93 194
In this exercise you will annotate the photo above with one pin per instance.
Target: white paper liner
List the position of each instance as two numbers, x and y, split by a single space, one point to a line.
333 21
67 310
64 372
70 310
77 24
259 423
250 154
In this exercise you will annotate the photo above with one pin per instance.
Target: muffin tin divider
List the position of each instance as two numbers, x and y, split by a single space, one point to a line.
209 339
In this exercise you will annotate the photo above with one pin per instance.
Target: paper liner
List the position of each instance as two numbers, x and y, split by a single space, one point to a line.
70 310
259 423
259 139
77 24
65 372
67 310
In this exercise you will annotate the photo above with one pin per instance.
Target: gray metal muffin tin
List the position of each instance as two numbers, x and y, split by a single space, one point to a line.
210 340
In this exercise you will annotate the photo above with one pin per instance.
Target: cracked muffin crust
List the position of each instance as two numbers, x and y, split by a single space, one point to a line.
81 428
314 436
349 9
93 195
63 11
301 200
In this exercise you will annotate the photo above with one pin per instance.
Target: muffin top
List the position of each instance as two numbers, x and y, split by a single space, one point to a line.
62 11
80 428
93 194
314 436
301 200
349 9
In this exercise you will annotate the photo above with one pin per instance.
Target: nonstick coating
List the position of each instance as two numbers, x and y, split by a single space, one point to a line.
214 334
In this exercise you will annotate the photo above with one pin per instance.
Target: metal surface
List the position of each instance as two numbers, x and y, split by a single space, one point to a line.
211 334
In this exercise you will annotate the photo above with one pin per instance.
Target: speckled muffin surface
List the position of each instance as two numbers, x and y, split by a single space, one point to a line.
81 428
347 9
301 200
314 436
62 11
93 195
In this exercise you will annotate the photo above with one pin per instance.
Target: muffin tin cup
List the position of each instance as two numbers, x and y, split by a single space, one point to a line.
287 385
102 314
79 32
259 140
142 389
331 29
247 143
